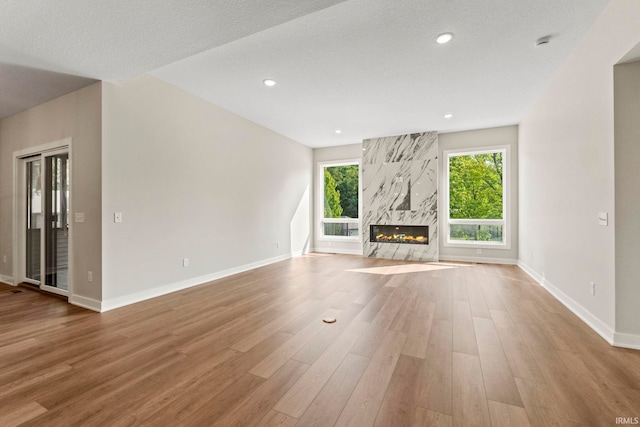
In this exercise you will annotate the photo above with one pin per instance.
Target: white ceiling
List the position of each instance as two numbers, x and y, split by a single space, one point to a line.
115 40
368 67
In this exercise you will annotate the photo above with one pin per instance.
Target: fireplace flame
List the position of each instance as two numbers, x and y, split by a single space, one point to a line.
399 237
413 234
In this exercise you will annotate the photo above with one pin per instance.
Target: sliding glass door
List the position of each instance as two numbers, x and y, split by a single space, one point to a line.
33 220
46 238
56 221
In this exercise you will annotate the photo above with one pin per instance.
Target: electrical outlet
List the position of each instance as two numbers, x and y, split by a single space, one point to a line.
592 286
90 276
277 244
4 259
117 217
185 262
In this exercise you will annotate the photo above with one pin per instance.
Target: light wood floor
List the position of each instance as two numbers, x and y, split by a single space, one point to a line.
413 346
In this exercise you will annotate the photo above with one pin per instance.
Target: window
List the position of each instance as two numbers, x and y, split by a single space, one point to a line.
339 195
476 198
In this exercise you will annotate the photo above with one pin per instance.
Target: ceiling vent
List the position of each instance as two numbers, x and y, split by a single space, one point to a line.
543 41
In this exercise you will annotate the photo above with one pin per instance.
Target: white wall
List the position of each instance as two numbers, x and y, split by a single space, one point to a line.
76 116
193 181
507 135
627 175
566 155
342 152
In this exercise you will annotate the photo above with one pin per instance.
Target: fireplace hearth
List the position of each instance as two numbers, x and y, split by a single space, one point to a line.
403 234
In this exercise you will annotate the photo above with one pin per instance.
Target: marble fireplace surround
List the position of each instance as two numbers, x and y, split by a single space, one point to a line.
400 187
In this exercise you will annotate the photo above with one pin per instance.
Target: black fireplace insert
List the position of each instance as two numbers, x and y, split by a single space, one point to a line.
409 234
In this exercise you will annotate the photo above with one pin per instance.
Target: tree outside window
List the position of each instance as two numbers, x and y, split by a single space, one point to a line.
476 193
341 200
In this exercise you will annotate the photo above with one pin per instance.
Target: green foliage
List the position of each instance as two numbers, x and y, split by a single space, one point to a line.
346 178
332 208
475 192
475 186
476 232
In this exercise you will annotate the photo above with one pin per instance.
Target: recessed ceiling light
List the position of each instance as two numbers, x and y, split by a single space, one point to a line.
444 38
269 82
338 131
448 115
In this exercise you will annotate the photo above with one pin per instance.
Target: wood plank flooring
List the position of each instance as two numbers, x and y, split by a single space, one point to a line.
452 345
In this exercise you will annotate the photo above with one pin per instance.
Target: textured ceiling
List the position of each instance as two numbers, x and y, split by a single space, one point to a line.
372 68
368 67
118 39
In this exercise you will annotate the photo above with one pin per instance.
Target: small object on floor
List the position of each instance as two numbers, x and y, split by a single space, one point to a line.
329 320
16 291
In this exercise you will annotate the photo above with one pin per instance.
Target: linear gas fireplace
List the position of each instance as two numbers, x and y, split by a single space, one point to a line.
410 234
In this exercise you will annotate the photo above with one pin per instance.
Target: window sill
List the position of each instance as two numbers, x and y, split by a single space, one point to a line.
339 239
474 245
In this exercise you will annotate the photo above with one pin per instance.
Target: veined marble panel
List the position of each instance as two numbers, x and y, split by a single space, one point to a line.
400 184
400 149
405 251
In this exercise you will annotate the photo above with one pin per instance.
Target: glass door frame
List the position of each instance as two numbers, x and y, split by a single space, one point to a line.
21 158
27 195
46 229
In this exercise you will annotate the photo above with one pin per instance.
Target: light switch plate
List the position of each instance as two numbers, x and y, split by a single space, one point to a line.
603 218
117 217
78 217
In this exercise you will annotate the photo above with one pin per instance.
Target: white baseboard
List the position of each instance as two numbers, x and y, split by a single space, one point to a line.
7 280
331 250
173 287
530 271
585 315
482 260
84 302
298 253
626 340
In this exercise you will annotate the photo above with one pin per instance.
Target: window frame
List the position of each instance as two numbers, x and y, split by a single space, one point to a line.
506 200
320 203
